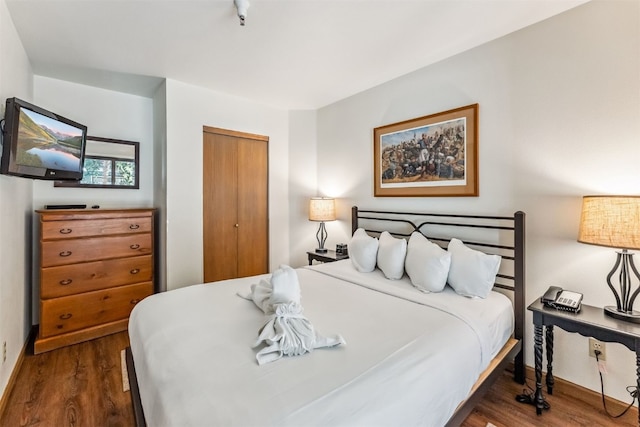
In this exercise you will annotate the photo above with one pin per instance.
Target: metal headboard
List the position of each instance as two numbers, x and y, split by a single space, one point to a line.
502 235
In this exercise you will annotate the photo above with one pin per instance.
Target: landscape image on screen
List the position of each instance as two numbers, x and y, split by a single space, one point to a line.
47 143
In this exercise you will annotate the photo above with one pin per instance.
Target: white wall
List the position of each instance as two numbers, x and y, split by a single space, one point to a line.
106 114
189 108
302 166
16 79
559 119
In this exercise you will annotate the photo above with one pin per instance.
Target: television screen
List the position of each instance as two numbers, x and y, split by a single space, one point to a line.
40 144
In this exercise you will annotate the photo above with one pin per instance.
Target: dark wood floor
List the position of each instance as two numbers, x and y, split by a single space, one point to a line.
571 405
81 385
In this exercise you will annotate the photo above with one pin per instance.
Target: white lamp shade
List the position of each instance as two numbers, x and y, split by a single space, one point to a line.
322 209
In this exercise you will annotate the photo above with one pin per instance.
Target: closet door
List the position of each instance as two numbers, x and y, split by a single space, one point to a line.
235 204
252 208
220 206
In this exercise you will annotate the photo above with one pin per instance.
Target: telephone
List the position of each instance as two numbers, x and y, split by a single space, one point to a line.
556 297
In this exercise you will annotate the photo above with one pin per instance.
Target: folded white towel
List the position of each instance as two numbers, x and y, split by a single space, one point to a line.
286 287
282 287
286 332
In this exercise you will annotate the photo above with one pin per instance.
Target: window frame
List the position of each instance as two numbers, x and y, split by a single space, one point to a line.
113 159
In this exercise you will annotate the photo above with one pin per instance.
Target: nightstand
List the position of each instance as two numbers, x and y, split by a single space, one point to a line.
590 322
329 256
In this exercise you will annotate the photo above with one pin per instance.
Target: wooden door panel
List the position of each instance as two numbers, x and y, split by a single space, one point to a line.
220 171
235 203
253 242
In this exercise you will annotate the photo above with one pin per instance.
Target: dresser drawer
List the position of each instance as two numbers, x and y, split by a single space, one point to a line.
91 276
75 312
71 251
94 227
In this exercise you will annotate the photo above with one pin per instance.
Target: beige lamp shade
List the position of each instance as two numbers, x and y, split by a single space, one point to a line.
612 221
322 209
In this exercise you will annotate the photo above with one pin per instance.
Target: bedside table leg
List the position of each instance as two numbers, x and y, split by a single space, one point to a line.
549 344
539 400
638 374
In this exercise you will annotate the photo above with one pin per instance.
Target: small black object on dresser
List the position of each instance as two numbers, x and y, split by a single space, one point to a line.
65 206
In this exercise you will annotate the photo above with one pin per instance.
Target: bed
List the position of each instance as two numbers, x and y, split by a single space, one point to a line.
410 358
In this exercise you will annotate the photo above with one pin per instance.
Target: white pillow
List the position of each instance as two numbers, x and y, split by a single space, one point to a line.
363 250
472 273
427 264
391 255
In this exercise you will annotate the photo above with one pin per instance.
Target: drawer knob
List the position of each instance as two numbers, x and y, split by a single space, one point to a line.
135 246
134 226
65 231
66 282
65 253
134 301
65 316
135 271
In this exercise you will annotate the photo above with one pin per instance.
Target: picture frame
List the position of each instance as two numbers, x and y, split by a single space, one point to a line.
109 163
430 156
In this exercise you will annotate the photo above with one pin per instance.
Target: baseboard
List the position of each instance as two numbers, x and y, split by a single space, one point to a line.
16 369
572 389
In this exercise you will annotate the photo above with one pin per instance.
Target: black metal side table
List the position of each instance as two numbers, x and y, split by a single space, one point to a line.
590 322
329 256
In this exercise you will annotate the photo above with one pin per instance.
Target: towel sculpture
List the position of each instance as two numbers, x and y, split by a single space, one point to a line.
286 332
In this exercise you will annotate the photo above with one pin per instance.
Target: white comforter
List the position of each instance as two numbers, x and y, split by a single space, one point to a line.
411 359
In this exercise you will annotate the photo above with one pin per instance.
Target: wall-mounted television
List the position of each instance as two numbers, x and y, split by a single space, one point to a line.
39 144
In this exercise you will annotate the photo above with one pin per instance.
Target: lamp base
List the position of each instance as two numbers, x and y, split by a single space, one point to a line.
321 250
633 316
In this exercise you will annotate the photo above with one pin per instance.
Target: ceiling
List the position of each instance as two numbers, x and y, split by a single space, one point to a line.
291 54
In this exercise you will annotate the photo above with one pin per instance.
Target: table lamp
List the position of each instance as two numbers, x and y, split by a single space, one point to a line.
322 209
614 221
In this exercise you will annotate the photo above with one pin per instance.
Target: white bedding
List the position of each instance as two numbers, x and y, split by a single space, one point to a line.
410 357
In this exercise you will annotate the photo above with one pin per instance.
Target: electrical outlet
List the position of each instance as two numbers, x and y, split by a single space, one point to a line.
597 345
4 351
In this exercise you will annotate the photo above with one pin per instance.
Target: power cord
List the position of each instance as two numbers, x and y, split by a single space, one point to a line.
530 397
632 390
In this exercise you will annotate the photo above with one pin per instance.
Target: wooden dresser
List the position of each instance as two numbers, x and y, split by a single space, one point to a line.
95 266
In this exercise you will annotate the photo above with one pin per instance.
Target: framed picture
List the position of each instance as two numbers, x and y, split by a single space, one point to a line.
435 155
108 163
